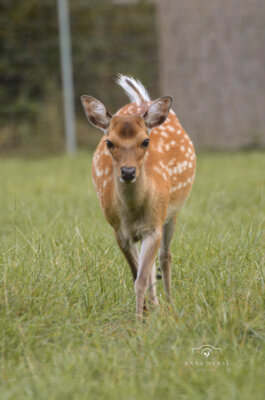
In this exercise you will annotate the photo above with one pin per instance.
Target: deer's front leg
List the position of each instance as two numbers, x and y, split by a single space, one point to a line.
150 246
130 252
152 287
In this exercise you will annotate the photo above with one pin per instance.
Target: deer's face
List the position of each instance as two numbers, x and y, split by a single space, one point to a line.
126 136
127 141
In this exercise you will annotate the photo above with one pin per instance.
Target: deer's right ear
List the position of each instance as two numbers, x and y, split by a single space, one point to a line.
96 112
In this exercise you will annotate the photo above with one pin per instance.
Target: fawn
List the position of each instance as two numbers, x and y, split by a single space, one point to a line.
143 170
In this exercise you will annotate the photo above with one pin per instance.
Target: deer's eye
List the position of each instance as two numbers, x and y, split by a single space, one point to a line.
145 143
109 144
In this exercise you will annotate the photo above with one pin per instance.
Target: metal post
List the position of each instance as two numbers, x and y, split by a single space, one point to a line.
67 75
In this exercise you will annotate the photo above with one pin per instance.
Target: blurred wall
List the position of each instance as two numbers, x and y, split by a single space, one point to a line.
209 55
212 61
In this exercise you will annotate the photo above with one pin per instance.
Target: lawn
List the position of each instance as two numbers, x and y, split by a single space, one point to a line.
67 328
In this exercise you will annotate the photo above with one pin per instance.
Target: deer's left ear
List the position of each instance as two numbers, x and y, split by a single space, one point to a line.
96 112
157 112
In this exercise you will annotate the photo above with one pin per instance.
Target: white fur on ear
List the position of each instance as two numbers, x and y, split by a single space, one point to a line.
96 112
157 112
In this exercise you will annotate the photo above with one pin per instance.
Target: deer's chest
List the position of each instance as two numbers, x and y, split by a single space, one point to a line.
135 222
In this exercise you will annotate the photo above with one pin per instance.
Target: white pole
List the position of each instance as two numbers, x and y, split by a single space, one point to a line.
67 75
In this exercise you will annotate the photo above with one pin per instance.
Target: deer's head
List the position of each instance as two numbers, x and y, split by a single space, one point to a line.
127 137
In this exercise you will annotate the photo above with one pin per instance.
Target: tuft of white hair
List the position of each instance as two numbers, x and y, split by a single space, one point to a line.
134 89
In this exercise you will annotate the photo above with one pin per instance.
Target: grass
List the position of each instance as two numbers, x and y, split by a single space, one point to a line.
67 328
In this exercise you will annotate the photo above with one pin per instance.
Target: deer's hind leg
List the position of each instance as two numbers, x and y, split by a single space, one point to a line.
165 255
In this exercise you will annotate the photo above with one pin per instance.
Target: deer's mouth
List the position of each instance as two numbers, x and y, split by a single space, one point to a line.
122 180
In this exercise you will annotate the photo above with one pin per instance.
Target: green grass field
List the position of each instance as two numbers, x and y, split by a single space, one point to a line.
67 328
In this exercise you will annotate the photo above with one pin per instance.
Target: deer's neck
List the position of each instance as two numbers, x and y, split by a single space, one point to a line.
132 195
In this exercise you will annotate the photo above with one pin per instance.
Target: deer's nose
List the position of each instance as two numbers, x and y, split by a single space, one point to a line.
128 173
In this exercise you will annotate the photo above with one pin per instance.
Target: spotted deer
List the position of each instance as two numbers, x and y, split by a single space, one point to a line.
143 170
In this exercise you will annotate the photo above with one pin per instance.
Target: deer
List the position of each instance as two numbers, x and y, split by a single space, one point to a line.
143 171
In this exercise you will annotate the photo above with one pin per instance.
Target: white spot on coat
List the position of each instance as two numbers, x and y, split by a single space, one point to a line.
99 172
160 146
162 165
164 176
163 133
158 170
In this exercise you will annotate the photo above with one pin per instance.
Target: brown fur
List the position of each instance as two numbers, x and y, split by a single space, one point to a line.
146 208
160 187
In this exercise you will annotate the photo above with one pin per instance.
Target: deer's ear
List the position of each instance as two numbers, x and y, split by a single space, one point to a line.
157 112
96 112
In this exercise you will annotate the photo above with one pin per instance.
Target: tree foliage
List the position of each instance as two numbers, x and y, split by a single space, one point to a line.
107 38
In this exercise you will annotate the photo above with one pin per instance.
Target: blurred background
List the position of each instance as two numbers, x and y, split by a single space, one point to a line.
210 56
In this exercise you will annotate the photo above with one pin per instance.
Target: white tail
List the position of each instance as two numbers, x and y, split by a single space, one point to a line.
143 171
134 89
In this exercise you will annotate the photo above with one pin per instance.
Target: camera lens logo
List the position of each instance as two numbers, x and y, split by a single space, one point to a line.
207 358
207 351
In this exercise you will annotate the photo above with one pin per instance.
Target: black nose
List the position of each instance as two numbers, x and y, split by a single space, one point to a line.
128 173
